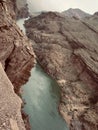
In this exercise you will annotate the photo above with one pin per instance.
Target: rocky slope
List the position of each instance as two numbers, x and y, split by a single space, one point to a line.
75 13
17 58
67 49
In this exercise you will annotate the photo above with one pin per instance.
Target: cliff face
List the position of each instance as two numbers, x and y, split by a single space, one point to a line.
16 51
17 58
67 48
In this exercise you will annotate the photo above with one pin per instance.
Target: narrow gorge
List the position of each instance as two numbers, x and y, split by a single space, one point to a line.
60 90
41 95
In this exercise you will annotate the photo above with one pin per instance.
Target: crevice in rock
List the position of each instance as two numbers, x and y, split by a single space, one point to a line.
7 61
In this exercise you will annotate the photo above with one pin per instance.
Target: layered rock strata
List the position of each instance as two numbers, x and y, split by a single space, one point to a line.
67 49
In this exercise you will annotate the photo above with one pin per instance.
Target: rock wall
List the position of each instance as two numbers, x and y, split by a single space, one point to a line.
10 105
67 49
16 50
17 58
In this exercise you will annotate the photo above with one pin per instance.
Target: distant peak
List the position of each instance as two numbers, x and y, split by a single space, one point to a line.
75 12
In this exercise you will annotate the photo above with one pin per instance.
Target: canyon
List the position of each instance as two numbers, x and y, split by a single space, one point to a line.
65 47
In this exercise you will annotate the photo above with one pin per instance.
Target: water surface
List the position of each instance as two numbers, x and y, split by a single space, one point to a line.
42 96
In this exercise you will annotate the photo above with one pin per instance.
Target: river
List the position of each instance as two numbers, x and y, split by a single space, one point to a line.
42 95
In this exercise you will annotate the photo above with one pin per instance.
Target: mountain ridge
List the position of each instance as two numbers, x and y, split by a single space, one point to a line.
75 12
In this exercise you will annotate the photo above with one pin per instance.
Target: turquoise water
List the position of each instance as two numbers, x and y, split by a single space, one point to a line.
42 95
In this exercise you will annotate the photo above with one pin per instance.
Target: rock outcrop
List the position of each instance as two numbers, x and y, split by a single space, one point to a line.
67 49
17 58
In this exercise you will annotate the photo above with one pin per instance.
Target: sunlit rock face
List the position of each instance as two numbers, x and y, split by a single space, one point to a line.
67 49
16 51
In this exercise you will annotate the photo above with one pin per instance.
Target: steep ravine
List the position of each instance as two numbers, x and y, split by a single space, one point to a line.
67 49
42 99
17 58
